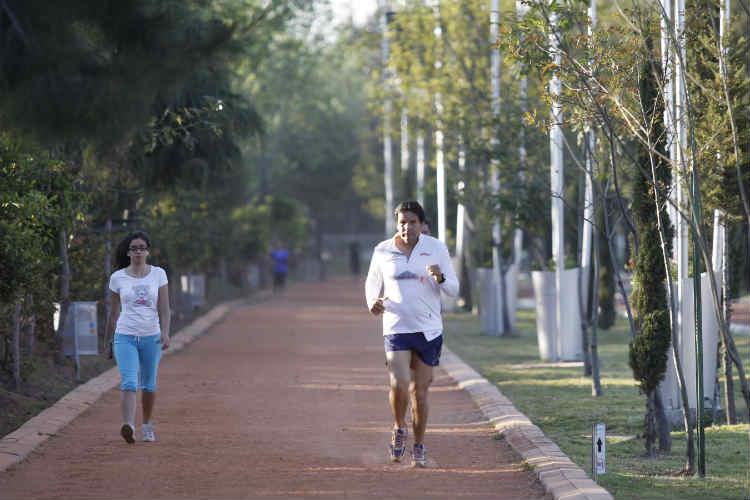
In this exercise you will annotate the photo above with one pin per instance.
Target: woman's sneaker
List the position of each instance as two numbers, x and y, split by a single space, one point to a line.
127 431
419 456
398 445
148 433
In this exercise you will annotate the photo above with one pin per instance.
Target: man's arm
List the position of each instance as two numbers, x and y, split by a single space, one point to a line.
374 285
450 285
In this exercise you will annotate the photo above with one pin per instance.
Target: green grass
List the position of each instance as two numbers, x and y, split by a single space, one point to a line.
559 401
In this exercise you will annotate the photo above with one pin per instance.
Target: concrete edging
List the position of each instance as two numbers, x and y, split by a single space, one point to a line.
561 478
17 445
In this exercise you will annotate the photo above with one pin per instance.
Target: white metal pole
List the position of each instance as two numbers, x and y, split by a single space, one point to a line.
461 209
667 63
440 174
556 179
669 386
420 167
725 8
683 287
588 199
404 140
439 155
497 272
523 85
390 222
718 244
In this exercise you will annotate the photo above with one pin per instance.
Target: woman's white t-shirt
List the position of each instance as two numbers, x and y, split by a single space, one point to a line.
139 314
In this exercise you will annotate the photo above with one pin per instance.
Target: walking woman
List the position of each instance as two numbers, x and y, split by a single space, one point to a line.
139 320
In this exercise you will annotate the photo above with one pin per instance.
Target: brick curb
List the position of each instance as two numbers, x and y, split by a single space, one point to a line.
18 444
561 478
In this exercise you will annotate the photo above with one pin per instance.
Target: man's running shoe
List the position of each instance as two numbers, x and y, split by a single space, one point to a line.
419 456
398 445
127 431
148 433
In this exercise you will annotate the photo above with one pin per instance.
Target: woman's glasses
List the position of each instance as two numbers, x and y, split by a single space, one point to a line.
138 249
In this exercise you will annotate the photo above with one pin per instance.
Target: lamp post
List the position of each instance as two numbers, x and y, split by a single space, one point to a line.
497 263
390 223
556 176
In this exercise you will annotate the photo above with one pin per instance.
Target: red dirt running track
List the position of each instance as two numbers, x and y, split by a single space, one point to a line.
284 399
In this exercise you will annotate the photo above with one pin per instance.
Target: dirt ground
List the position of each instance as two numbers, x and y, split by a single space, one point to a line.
285 399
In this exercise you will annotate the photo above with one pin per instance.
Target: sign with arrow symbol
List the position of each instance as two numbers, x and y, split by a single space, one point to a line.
598 450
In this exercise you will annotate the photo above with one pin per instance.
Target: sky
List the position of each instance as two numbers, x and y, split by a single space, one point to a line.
359 10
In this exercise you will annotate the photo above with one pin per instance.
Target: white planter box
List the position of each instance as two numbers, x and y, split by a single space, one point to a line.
489 315
558 342
710 332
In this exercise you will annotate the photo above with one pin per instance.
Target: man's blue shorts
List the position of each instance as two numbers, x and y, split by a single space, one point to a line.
428 352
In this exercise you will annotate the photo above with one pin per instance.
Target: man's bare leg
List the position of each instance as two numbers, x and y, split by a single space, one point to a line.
422 374
398 396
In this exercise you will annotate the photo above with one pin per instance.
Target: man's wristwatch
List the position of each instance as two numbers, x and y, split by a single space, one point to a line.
441 279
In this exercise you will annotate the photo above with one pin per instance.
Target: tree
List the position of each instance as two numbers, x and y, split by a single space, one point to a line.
648 350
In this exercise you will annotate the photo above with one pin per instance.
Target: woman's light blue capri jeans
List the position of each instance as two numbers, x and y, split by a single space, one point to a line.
137 355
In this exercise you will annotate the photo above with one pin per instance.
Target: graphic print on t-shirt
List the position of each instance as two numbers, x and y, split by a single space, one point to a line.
141 296
406 275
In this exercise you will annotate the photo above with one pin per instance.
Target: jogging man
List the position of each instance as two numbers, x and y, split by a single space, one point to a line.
407 274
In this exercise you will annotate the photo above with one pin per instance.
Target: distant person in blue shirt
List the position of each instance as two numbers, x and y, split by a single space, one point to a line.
280 257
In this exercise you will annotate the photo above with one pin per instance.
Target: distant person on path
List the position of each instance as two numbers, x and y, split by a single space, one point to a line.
280 257
139 320
407 273
426 228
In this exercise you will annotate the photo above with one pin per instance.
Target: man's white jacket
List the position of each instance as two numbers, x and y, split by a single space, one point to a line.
412 295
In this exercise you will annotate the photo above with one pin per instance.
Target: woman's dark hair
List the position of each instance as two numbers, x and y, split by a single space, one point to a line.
123 260
410 206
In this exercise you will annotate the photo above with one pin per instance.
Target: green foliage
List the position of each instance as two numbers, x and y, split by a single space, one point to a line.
315 130
92 69
455 67
37 194
558 400
648 352
257 224
712 119
126 112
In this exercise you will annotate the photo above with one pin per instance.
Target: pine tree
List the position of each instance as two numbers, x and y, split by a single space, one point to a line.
648 351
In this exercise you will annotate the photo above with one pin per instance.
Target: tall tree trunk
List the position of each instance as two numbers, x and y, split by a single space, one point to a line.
649 424
729 405
107 267
663 426
606 312
31 332
583 299
596 384
65 278
17 343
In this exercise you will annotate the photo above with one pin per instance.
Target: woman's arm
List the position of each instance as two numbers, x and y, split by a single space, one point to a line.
114 315
165 315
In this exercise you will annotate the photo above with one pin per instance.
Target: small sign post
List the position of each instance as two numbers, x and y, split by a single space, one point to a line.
598 451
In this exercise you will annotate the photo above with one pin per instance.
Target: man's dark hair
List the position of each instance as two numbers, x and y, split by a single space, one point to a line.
410 206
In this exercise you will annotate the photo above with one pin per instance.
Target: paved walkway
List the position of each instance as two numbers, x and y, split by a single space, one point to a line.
282 400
